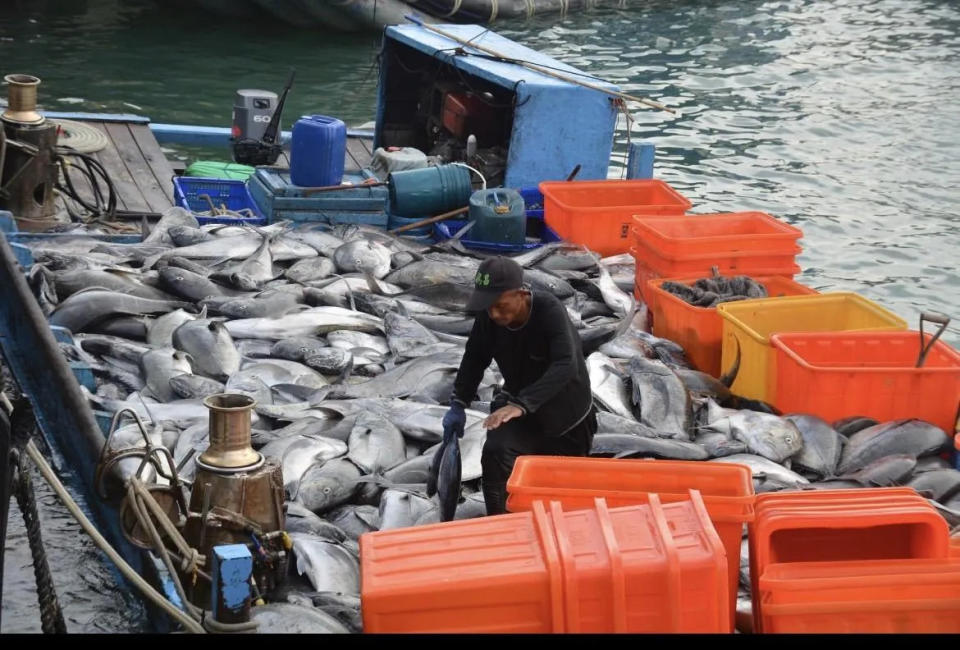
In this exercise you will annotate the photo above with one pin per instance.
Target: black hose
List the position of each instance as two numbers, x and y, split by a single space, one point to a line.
94 173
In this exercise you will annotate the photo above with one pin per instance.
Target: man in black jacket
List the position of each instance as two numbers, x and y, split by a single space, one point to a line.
545 407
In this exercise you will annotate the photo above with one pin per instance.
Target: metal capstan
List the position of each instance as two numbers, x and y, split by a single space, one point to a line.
230 449
237 496
22 100
29 169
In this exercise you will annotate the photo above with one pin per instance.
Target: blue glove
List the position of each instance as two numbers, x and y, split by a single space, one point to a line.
454 421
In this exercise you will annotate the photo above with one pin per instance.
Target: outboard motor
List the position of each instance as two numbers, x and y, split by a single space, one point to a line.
252 110
256 125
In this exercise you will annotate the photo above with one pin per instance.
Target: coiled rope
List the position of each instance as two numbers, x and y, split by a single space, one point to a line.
128 572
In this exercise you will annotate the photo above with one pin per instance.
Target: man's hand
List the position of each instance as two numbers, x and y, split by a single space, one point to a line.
501 416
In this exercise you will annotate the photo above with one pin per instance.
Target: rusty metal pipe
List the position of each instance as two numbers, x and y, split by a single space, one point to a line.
22 99
230 433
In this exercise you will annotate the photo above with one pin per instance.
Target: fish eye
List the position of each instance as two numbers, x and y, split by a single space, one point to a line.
326 490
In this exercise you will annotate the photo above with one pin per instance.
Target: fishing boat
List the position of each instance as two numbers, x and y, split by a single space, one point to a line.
477 106
492 112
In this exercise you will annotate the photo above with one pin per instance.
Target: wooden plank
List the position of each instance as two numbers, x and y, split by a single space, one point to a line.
358 155
128 196
153 194
153 156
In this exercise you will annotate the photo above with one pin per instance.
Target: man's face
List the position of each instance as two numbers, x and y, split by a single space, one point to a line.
508 309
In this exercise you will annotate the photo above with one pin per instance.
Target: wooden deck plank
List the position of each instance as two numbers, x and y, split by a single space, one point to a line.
155 159
128 195
156 199
356 157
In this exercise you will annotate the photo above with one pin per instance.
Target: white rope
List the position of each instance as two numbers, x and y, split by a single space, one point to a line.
128 572
482 179
456 8
494 6
80 137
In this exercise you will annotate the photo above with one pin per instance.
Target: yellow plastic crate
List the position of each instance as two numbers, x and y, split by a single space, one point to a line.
752 322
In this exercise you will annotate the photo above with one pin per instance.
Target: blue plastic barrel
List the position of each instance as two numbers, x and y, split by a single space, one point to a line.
429 191
318 146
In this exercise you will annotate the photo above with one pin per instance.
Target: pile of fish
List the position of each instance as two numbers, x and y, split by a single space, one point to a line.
709 292
349 340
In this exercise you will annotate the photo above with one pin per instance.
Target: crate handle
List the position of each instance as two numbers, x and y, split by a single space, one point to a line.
940 320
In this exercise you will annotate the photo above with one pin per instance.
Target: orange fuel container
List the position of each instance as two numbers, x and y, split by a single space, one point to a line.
643 568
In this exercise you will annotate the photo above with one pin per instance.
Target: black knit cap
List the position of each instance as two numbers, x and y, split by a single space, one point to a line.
495 275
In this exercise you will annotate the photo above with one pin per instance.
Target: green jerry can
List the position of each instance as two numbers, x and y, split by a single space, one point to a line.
499 216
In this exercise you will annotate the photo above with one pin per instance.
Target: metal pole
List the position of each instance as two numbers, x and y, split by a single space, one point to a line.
536 67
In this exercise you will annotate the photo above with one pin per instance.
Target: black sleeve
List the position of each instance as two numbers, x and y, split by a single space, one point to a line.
476 359
554 324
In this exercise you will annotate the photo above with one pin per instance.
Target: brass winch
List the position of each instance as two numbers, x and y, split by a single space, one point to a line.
237 496
29 170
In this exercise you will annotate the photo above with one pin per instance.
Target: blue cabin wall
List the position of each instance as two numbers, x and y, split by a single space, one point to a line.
555 131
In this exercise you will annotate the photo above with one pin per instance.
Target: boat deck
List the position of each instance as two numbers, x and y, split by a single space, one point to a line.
359 153
139 170
143 176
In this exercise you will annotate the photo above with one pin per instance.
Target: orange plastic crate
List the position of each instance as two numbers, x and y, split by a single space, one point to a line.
726 488
841 525
729 262
834 374
650 268
599 214
699 330
874 596
650 568
713 233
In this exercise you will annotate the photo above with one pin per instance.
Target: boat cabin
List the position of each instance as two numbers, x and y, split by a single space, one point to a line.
435 92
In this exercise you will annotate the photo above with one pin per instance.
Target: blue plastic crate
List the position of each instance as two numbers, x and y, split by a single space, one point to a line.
533 201
537 229
280 200
231 193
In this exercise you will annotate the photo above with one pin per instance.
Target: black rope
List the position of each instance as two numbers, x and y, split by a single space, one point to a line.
51 616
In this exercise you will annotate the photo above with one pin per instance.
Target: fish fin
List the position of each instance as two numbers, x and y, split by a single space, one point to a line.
220 261
144 228
728 377
345 373
402 310
373 284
